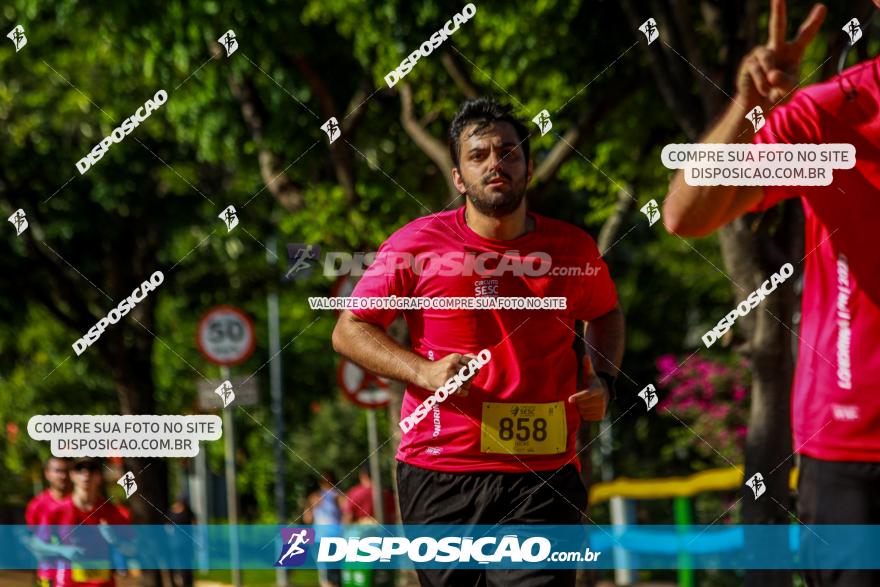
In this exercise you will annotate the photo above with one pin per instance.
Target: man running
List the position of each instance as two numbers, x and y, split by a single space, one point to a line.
501 448
56 474
836 394
86 506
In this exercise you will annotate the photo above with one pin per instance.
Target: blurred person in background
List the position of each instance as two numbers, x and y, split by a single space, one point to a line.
55 471
358 505
88 562
324 508
182 516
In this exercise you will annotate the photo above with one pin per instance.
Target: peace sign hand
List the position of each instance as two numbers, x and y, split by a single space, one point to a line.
769 72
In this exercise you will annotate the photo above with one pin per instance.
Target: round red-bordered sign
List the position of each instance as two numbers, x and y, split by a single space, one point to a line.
362 388
225 336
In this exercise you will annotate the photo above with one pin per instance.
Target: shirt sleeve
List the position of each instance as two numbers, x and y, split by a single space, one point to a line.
44 518
592 294
30 512
346 503
792 123
390 274
118 515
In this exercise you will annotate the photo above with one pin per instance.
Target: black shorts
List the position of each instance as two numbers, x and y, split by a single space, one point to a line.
838 492
543 497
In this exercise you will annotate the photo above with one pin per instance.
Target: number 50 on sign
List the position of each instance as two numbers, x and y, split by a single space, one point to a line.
226 336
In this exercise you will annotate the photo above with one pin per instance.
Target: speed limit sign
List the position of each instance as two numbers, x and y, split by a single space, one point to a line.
226 336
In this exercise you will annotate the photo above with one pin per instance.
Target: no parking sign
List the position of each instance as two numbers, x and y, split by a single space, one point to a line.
362 388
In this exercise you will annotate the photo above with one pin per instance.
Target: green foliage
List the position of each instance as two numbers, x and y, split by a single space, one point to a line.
87 66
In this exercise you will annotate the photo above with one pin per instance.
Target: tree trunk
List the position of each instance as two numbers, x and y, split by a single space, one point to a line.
751 255
131 367
608 235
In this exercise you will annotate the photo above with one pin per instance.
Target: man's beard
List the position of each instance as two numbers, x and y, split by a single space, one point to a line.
497 203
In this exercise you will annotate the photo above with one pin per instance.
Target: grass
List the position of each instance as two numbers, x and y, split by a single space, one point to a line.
249 577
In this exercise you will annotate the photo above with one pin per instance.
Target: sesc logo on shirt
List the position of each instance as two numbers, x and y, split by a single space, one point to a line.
486 288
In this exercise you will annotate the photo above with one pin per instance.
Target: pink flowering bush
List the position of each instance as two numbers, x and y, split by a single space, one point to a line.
712 398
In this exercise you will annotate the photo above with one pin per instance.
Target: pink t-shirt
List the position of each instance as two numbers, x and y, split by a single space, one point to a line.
40 505
836 396
359 503
532 361
36 509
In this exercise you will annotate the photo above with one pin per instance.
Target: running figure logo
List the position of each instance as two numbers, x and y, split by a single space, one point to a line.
853 30
652 211
295 550
756 117
648 394
229 217
19 221
127 482
229 42
17 37
331 127
649 28
543 121
225 392
301 257
756 483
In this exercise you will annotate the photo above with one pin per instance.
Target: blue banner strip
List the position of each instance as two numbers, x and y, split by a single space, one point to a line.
392 547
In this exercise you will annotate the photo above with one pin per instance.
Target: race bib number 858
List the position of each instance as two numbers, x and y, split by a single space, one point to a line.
523 429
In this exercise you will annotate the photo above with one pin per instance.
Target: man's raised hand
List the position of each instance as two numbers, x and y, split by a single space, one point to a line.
769 72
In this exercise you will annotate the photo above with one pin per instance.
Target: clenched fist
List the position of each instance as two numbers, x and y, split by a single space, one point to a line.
436 373
592 401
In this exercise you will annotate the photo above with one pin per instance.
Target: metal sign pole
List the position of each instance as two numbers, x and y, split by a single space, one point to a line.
375 473
201 504
225 336
231 489
277 404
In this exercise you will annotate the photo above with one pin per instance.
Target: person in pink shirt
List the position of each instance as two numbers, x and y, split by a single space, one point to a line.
56 473
89 562
500 446
836 393
358 504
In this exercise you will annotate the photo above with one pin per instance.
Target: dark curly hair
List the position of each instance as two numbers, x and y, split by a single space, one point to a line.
483 112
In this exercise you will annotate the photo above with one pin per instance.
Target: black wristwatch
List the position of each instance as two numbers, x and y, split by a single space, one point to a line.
609 380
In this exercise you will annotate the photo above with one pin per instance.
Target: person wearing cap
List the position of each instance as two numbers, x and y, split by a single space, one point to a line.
88 562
